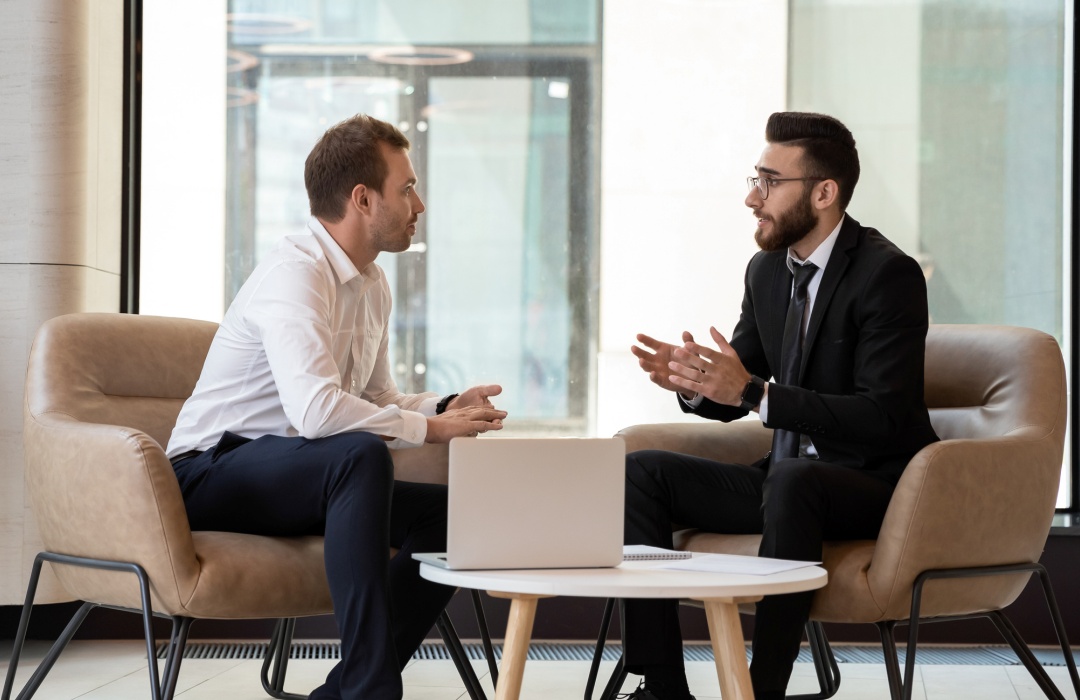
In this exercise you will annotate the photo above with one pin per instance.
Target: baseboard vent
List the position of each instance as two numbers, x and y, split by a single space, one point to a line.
570 651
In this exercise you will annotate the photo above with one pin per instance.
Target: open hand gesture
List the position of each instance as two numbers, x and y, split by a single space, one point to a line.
655 359
718 375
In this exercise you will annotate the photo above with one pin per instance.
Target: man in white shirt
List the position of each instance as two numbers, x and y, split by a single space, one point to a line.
836 316
288 429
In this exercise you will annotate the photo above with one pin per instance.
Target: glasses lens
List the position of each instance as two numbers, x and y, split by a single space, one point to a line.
760 184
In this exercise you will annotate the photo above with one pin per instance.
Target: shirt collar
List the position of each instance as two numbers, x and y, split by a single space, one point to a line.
820 256
343 267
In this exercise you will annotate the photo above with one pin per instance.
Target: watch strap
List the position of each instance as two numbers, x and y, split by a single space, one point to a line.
752 393
441 407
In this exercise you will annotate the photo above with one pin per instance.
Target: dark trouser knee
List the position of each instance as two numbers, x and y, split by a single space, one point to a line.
360 459
792 509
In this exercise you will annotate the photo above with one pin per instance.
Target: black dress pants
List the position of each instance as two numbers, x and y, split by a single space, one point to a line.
795 504
342 487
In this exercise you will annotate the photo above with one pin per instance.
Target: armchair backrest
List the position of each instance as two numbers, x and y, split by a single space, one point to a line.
990 381
118 369
985 494
102 395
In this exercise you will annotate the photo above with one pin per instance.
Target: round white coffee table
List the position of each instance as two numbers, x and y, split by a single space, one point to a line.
721 594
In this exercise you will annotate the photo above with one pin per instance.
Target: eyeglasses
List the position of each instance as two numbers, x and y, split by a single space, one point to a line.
764 183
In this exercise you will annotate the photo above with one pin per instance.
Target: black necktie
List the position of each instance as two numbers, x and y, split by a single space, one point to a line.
786 442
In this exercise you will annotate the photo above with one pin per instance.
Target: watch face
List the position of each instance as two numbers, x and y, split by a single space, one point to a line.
752 394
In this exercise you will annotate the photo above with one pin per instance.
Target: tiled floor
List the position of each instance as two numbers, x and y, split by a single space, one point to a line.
117 671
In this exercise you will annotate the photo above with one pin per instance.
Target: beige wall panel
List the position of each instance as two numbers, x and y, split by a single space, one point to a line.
105 143
13 314
58 111
14 130
12 371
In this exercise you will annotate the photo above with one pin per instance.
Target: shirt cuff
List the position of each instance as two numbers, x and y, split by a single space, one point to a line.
691 403
413 433
428 406
763 407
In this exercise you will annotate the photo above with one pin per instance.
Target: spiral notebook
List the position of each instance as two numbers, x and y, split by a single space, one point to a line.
643 552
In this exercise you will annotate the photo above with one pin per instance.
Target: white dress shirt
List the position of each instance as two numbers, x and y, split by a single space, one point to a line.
302 351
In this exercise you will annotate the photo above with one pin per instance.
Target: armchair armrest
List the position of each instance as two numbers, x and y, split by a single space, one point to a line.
967 503
427 464
738 442
108 492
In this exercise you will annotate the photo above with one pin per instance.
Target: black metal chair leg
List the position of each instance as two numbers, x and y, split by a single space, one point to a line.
892 664
489 650
1023 652
828 672
460 658
277 658
909 656
268 657
615 682
35 680
1059 627
281 667
598 653
175 655
828 659
148 628
24 623
58 646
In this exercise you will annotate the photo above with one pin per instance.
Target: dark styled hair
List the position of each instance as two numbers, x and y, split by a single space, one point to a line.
828 147
345 156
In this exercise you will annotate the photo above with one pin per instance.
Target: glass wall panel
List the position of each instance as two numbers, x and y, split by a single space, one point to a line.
958 109
498 242
501 114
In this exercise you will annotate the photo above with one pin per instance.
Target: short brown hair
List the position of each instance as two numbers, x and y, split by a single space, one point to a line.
828 147
345 156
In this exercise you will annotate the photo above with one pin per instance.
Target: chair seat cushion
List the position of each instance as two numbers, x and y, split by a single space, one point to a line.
845 598
232 563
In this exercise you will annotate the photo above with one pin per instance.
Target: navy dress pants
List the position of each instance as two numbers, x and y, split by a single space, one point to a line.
795 504
342 487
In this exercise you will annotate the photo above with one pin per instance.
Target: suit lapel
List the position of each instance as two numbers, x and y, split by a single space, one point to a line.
834 272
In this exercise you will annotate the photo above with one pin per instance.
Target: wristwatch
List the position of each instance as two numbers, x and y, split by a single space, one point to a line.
441 407
752 393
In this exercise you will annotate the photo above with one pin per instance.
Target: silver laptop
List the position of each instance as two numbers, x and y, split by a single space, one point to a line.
534 503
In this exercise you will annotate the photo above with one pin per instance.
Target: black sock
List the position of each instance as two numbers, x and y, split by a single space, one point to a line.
667 682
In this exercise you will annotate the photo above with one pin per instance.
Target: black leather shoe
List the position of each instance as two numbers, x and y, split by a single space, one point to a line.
642 694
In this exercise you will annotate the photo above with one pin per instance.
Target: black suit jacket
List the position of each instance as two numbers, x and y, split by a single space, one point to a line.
860 394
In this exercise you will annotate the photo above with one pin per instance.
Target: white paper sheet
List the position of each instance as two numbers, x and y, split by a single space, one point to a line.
736 564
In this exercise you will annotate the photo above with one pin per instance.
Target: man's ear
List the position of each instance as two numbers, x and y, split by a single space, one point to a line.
826 193
360 199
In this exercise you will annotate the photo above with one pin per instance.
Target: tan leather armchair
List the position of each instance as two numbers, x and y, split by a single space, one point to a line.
969 518
102 395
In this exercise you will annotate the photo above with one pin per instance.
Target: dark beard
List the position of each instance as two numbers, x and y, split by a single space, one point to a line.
789 228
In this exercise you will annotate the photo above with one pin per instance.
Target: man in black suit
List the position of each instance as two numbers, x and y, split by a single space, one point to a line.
835 316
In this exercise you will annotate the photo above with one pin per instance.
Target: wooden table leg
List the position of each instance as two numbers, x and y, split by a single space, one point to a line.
516 647
729 650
